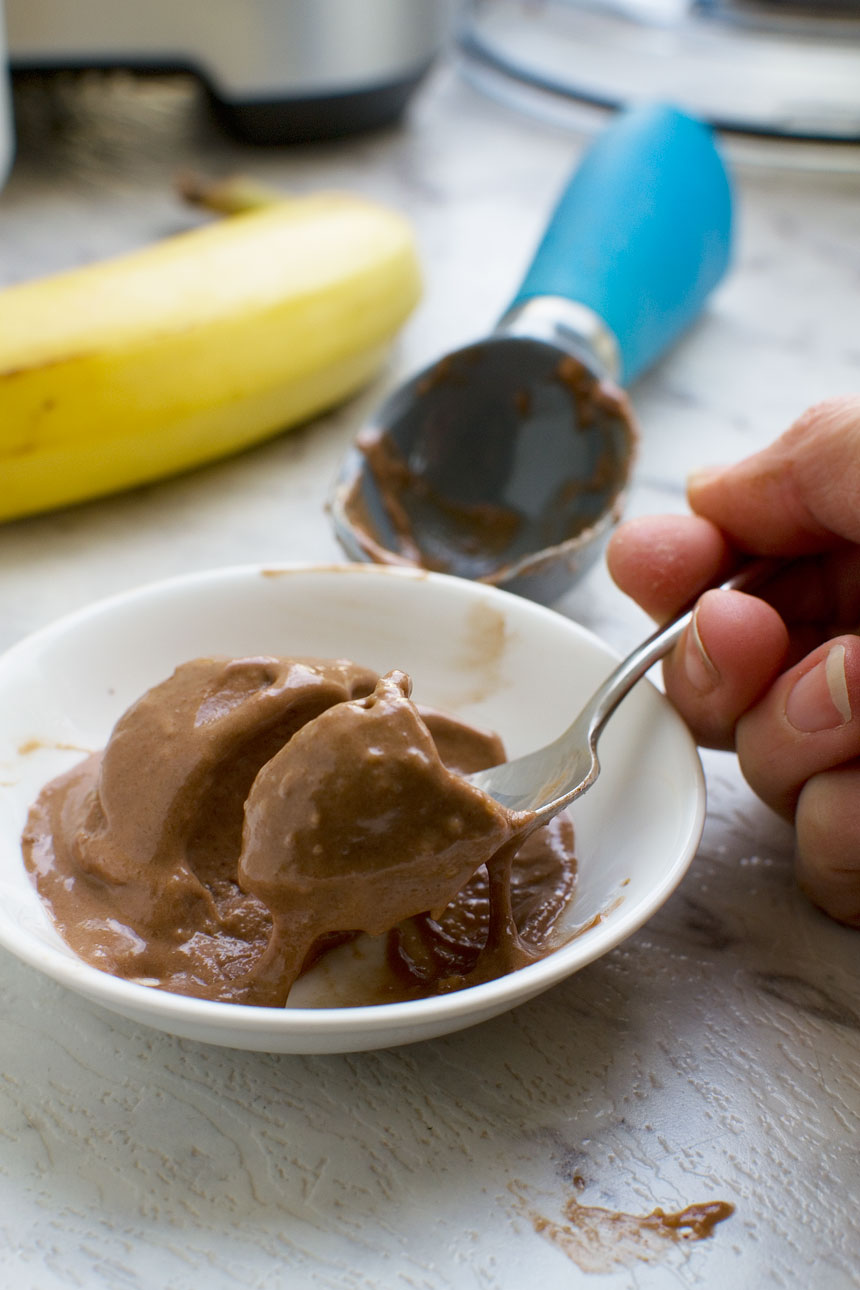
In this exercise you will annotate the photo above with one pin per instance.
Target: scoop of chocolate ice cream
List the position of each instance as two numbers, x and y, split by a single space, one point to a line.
357 824
249 813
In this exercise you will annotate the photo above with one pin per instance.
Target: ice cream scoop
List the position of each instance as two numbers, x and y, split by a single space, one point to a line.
507 461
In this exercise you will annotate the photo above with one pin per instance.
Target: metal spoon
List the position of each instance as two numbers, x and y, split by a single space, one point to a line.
507 461
550 778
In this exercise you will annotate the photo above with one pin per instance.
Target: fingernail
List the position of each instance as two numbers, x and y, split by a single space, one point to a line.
700 670
819 699
703 475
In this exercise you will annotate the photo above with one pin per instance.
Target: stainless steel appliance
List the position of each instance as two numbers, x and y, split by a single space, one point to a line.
278 71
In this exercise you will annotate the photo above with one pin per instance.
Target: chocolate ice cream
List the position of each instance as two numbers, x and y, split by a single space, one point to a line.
248 814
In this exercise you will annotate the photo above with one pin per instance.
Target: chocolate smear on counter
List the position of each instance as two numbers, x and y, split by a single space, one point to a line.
600 1240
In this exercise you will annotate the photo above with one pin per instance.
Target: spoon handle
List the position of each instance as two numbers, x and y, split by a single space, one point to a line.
633 668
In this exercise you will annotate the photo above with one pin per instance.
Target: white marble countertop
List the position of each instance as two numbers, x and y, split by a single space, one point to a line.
713 1056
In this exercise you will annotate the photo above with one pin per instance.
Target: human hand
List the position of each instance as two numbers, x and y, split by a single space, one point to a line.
777 679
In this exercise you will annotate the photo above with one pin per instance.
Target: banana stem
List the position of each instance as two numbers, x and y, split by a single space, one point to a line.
231 196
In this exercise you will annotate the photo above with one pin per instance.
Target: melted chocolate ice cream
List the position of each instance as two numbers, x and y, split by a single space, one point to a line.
248 814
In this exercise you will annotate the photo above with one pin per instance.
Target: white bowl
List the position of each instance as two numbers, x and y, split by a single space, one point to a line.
491 657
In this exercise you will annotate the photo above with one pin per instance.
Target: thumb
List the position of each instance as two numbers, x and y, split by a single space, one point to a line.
799 495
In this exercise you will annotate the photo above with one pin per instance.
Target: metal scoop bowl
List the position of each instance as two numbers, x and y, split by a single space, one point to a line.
508 461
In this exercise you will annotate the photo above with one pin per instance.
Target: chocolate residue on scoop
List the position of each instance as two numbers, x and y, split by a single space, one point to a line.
471 528
477 492
248 814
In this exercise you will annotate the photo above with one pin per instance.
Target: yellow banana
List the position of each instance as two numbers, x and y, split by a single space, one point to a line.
138 367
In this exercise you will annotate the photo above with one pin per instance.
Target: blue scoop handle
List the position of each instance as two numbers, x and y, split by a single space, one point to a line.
642 232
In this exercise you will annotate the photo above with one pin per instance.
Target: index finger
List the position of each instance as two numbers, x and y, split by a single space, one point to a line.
799 495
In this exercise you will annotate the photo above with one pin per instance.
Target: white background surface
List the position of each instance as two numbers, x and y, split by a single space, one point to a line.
715 1055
